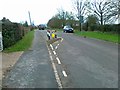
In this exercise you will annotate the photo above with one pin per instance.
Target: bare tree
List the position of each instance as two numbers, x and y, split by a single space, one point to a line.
61 19
80 7
62 14
116 10
65 16
104 10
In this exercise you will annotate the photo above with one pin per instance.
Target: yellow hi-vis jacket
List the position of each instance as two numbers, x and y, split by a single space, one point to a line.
53 35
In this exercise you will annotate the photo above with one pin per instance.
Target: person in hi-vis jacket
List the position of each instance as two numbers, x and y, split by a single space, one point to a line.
54 35
48 34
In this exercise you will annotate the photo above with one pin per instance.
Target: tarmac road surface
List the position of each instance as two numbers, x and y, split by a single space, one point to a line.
77 62
86 62
33 69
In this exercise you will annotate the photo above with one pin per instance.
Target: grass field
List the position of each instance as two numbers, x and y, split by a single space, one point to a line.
23 44
99 35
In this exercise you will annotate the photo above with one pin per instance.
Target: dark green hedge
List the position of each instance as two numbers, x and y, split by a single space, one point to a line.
115 28
12 32
111 28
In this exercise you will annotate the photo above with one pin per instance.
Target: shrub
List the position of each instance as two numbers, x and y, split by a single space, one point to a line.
12 32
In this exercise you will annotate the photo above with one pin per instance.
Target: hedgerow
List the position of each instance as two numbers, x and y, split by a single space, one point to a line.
12 32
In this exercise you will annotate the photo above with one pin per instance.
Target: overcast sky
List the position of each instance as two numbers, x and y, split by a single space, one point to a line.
41 10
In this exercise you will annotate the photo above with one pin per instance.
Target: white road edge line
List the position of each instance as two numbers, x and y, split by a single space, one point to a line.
58 60
55 72
64 73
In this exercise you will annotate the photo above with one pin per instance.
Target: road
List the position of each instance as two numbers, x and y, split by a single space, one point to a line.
72 62
33 69
88 63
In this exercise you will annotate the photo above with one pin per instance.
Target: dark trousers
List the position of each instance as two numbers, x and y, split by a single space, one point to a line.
48 37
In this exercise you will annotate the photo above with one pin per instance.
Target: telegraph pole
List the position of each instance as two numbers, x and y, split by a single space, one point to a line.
29 18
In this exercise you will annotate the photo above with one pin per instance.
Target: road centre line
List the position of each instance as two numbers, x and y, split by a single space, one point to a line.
51 58
58 60
56 75
56 42
51 46
49 52
54 52
61 39
57 46
55 72
64 73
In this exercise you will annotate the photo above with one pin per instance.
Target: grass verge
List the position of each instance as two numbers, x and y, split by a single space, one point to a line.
23 44
99 35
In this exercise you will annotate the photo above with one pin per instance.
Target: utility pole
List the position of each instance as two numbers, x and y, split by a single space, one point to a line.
29 18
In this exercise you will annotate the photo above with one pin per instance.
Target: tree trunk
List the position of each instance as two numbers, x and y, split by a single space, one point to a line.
79 26
101 21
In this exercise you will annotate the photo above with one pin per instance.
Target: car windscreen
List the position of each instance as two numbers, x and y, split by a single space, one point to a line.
68 26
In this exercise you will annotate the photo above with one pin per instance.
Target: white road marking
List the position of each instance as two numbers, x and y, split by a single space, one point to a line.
54 52
56 75
51 58
49 52
55 71
51 46
61 39
56 42
58 60
64 73
57 46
